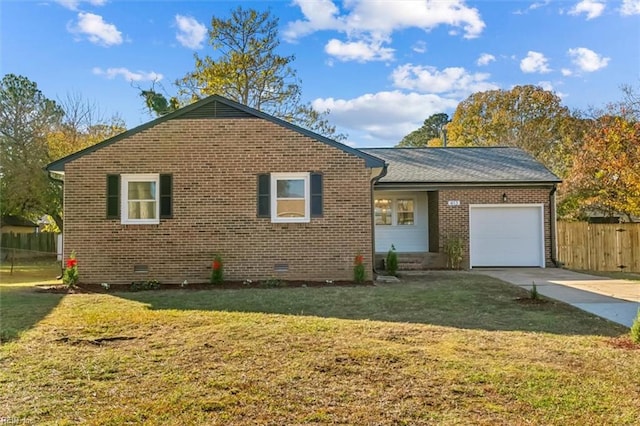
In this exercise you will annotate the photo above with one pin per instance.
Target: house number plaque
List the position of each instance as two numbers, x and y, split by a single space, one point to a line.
453 202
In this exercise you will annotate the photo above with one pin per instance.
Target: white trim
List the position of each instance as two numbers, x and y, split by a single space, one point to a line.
274 197
124 198
540 206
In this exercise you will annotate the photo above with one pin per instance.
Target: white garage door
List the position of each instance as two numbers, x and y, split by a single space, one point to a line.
506 235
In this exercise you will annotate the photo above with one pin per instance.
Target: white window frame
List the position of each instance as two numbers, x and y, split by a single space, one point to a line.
275 177
124 196
394 210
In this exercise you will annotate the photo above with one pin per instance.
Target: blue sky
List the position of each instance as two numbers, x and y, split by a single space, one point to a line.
381 67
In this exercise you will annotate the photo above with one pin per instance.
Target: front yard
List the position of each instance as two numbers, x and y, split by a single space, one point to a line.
447 348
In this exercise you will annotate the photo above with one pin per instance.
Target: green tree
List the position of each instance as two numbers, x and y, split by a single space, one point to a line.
26 118
528 117
247 69
34 131
429 134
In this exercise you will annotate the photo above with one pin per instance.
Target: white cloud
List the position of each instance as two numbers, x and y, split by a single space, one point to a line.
191 33
587 60
419 47
384 116
535 62
592 8
566 72
375 22
485 59
427 79
630 7
74 4
112 73
96 29
384 17
359 51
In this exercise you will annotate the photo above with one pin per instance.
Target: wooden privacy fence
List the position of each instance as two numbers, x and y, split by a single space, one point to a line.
28 245
599 246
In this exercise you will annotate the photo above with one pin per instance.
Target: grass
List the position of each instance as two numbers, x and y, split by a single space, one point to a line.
448 348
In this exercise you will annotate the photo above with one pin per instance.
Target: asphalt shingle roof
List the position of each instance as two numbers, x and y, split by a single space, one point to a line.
461 165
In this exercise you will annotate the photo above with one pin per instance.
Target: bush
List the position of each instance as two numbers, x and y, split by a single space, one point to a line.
453 248
392 261
359 273
635 329
70 276
145 285
217 270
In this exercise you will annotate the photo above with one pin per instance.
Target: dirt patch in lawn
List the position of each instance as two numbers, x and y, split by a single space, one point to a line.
227 285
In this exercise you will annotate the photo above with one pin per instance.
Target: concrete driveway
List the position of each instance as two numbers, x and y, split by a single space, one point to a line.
615 300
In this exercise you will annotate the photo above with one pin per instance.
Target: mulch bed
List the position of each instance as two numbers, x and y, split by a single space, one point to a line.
98 288
530 301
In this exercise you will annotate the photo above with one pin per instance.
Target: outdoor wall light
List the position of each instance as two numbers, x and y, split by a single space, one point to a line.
504 198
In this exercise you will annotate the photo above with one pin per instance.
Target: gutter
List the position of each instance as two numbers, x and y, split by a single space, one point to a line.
375 180
553 227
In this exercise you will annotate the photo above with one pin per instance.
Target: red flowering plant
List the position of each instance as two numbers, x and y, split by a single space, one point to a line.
70 276
359 273
217 270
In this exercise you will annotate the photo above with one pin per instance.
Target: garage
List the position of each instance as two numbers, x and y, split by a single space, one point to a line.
506 235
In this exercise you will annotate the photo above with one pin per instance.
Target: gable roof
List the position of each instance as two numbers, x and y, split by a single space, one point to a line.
215 106
469 165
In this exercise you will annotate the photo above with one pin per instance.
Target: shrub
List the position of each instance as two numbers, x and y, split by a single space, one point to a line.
533 293
359 273
217 270
145 285
635 329
70 275
453 248
392 261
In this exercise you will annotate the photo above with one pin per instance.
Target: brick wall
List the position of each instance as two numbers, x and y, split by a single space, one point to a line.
454 220
214 163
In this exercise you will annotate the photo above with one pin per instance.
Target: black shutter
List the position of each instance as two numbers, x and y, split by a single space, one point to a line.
113 196
316 194
166 194
264 195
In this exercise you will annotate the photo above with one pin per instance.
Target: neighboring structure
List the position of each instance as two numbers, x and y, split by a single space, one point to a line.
17 225
277 201
216 177
498 202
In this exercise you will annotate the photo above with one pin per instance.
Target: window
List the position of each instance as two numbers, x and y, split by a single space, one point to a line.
383 212
140 199
290 197
392 211
405 212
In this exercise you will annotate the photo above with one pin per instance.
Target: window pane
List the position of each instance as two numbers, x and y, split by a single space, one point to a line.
142 209
142 191
290 208
405 212
290 188
382 210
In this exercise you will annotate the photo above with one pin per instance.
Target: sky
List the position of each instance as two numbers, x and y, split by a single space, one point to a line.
381 67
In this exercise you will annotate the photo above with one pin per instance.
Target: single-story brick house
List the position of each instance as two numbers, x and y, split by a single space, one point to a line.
277 201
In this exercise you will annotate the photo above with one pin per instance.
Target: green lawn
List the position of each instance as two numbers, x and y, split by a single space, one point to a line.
446 348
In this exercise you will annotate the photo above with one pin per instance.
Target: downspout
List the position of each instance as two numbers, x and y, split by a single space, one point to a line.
552 226
375 180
